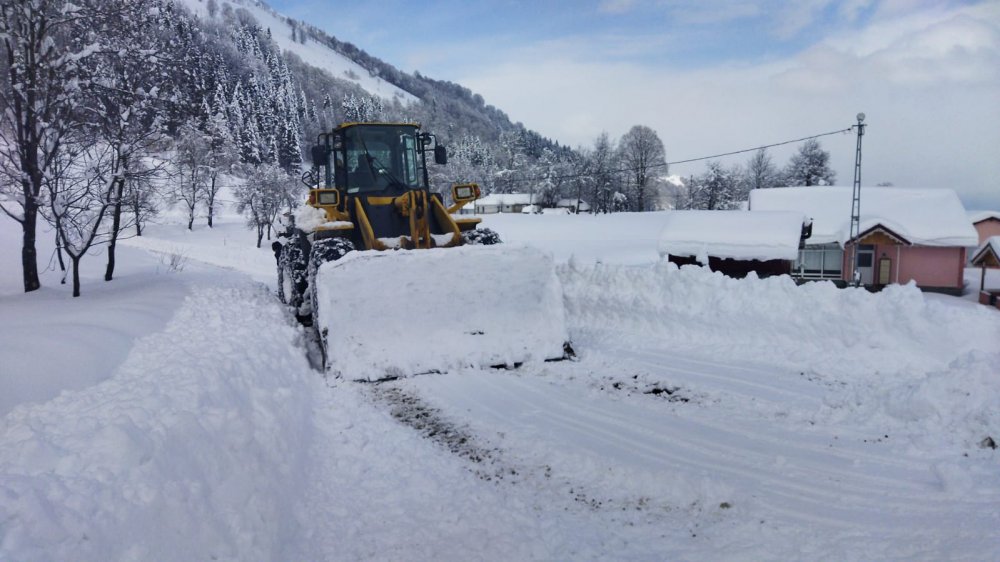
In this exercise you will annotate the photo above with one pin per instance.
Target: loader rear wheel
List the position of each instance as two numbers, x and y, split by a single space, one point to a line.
481 237
292 270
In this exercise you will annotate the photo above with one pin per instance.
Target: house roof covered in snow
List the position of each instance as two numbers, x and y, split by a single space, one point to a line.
572 202
980 216
742 235
989 253
925 217
504 199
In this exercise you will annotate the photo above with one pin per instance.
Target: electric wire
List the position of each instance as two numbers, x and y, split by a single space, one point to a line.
632 169
668 164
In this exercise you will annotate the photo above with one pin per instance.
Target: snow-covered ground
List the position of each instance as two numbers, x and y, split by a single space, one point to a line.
172 415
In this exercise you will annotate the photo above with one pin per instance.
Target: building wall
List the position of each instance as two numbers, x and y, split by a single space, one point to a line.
932 267
987 228
929 267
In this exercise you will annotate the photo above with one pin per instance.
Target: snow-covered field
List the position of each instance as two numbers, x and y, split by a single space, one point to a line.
172 415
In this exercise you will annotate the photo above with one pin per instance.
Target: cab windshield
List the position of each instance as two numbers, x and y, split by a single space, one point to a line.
381 157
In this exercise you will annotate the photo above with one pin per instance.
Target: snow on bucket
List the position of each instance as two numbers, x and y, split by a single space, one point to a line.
400 313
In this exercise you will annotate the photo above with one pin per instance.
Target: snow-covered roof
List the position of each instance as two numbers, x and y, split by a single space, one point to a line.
925 217
979 216
571 202
505 199
992 244
764 235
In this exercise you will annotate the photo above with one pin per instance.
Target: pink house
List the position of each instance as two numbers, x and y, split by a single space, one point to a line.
919 235
987 256
986 223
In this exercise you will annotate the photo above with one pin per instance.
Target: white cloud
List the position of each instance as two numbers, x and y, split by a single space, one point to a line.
930 85
797 16
697 13
616 6
851 9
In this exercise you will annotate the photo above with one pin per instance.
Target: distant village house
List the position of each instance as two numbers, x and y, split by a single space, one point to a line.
986 223
987 256
919 235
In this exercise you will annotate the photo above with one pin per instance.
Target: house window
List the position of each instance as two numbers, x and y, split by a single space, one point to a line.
820 262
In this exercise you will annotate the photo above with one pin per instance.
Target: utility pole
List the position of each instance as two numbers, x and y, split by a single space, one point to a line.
856 206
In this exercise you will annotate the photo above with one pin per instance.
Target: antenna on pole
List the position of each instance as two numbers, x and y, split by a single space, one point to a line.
856 206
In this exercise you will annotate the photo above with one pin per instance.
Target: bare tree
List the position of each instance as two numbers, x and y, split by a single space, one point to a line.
642 155
43 46
123 109
267 192
222 156
80 200
760 171
191 163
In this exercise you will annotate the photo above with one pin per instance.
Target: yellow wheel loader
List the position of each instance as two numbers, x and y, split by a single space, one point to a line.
393 283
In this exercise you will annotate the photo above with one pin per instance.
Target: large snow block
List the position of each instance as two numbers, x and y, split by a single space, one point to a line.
400 313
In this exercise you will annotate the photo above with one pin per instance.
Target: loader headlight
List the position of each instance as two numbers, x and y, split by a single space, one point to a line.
464 192
330 197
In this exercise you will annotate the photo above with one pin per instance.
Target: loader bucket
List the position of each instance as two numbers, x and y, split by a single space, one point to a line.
398 313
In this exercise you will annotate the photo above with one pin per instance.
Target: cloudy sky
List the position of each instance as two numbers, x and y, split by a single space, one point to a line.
712 76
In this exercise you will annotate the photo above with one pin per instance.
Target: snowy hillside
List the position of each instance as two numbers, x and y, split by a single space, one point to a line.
310 51
172 414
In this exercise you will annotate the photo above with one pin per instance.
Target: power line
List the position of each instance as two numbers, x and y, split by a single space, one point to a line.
841 131
661 165
689 160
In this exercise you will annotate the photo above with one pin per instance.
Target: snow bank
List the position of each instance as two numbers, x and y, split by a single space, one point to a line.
847 333
407 312
179 455
892 360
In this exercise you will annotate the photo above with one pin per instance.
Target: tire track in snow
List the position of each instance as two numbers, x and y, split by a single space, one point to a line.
895 495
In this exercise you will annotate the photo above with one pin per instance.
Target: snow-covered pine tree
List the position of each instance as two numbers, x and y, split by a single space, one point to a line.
809 166
603 163
717 189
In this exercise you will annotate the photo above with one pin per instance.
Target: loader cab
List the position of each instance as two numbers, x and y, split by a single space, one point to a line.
386 159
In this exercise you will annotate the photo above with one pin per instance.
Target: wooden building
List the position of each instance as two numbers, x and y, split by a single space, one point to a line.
734 243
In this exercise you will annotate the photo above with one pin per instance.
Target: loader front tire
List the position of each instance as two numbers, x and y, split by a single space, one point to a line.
481 237
323 251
